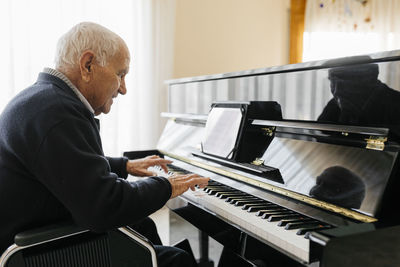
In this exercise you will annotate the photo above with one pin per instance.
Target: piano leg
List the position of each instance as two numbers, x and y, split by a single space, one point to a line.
242 244
204 261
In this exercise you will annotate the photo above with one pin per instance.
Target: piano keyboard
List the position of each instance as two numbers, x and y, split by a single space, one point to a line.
279 226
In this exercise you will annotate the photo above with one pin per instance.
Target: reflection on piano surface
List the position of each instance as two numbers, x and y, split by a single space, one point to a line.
360 98
339 186
315 157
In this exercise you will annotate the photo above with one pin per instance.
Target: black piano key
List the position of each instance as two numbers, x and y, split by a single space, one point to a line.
268 210
221 186
214 190
240 203
298 225
210 192
275 218
231 196
249 199
269 214
215 184
261 205
227 193
302 231
212 183
258 208
176 170
264 203
301 219
217 187
208 188
223 195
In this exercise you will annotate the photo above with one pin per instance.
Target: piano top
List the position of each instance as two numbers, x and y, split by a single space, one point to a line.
356 91
311 65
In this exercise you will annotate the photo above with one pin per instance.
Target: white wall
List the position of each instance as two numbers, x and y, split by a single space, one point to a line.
216 36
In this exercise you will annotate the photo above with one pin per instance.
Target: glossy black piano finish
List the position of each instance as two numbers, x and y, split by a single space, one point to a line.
361 90
336 149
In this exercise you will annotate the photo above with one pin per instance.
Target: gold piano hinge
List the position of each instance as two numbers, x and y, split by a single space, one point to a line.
376 142
269 130
257 162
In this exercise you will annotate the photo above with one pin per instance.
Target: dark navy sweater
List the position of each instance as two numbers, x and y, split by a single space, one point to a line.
52 167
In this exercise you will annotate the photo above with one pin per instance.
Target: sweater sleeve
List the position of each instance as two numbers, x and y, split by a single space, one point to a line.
118 166
71 165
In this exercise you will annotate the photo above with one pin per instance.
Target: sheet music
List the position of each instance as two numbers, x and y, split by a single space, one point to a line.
221 133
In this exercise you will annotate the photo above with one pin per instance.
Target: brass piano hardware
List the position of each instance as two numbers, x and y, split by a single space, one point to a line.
269 130
345 133
317 203
258 161
376 142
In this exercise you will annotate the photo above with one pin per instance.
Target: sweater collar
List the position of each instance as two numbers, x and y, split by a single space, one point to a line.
65 79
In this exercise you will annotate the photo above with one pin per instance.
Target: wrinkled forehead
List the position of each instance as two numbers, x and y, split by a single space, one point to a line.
122 57
125 54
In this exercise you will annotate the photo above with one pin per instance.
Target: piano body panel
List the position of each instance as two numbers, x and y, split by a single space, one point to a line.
179 140
361 247
351 129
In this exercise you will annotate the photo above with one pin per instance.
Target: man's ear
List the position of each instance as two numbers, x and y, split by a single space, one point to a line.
86 64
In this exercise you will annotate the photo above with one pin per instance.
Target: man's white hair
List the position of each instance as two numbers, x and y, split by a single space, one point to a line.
86 36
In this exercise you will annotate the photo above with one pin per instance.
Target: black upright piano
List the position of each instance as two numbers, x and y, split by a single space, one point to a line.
303 161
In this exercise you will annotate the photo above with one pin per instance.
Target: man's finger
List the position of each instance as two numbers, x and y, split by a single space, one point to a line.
203 181
164 167
184 178
161 161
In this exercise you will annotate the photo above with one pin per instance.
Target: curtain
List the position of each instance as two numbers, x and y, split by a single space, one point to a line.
30 30
337 28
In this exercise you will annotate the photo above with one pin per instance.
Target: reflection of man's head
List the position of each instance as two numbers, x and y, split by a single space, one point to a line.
340 186
353 82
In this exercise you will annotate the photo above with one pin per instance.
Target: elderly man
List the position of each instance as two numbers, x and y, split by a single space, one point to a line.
52 165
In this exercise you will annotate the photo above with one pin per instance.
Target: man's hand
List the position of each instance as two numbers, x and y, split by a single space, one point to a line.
181 183
138 167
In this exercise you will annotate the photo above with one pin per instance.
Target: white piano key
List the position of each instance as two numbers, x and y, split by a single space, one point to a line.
286 240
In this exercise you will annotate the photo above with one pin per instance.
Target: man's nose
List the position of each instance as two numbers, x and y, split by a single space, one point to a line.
122 88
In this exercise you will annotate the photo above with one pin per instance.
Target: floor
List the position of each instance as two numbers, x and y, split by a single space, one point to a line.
173 229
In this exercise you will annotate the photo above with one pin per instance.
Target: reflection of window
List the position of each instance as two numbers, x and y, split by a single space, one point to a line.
324 45
349 27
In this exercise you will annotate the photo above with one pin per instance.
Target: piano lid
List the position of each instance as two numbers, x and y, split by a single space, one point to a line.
356 91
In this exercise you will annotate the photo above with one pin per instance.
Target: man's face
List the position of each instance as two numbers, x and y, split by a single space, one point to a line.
109 81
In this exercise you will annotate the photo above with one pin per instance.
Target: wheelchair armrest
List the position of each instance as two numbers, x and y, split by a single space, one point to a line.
68 243
47 233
